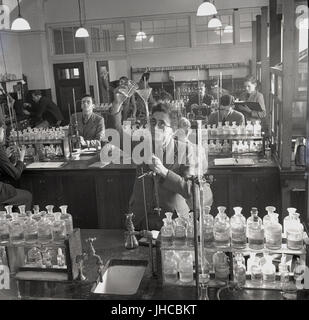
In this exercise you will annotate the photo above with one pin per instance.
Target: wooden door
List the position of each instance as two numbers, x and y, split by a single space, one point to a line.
69 76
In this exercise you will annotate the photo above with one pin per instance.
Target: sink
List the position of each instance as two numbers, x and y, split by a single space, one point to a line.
121 277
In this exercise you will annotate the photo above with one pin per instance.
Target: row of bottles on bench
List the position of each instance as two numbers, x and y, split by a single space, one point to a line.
249 130
236 147
223 232
178 265
37 227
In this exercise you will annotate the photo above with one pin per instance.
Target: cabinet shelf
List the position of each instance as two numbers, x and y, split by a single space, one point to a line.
52 141
236 137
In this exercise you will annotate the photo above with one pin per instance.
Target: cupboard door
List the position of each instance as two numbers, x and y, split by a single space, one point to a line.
221 195
79 194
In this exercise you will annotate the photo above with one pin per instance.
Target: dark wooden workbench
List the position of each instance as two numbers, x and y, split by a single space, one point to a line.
98 197
110 244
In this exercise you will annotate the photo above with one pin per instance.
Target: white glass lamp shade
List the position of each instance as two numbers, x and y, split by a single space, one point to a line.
20 24
214 23
140 36
228 29
206 9
120 37
81 32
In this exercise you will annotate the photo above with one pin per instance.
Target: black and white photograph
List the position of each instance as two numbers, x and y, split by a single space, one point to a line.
154 154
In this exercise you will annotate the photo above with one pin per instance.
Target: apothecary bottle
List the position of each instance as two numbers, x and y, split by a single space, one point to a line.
222 229
16 230
59 229
238 229
4 229
186 267
31 230
270 210
273 233
45 230
166 234
221 266
255 231
294 233
180 233
288 218
170 267
67 217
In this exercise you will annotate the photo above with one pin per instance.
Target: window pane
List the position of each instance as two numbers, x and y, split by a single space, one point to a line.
79 44
68 40
213 37
246 35
58 41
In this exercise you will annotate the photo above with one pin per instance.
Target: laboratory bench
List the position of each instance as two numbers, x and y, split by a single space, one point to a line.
98 197
109 244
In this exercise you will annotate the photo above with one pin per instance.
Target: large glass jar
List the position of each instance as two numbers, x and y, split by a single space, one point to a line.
238 229
67 218
166 234
208 228
186 267
221 266
222 229
288 218
170 267
294 233
59 229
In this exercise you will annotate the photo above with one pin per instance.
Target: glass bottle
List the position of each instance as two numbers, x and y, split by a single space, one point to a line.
208 228
34 257
234 129
273 233
249 128
16 230
180 233
222 229
36 213
220 129
186 267
294 233
299 272
269 270
67 218
238 229
4 229
214 131
166 234
50 213
226 129
22 213
270 210
221 266
209 130
235 147
59 229
225 147
288 218
240 274
256 270
60 258
255 231
31 230
218 147
257 129
45 230
284 273
170 268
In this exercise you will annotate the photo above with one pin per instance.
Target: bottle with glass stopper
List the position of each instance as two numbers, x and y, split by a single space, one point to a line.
60 258
238 229
269 270
273 233
59 229
4 229
256 270
180 233
240 273
294 233
36 213
45 230
67 218
9 212
166 234
270 210
222 229
208 228
50 213
284 273
22 213
16 230
255 231
221 266
31 230
288 218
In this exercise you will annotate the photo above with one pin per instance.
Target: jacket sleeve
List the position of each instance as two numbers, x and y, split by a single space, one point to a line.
99 134
8 169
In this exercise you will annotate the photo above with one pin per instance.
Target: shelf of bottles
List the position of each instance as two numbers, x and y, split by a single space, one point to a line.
231 139
42 234
226 243
42 144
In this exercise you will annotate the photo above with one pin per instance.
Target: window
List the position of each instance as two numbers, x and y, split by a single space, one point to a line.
246 27
68 73
205 35
65 41
108 37
160 33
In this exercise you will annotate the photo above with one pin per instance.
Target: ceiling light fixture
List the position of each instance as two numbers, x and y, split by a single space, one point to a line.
20 24
120 37
206 9
141 35
81 32
229 27
214 23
